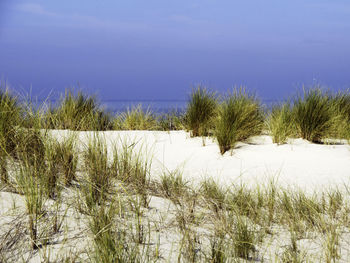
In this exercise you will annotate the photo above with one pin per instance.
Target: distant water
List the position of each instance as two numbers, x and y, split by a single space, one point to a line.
155 106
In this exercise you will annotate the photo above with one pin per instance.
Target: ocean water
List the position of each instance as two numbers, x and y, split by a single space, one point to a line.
156 106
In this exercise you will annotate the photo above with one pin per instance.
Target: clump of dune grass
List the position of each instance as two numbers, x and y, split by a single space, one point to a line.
10 116
312 113
240 116
173 120
214 193
110 243
78 112
52 161
340 105
30 183
173 185
281 123
201 110
136 118
98 181
68 158
131 168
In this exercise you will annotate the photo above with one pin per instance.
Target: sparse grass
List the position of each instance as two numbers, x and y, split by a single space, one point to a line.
173 186
280 123
174 120
68 158
98 182
214 193
240 116
201 111
131 168
30 183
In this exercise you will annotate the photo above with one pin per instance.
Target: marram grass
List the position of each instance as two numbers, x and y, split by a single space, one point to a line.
78 112
240 116
281 123
201 111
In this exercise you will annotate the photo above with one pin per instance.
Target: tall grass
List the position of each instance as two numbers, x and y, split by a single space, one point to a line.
98 181
281 123
240 116
131 168
68 158
312 113
78 112
341 115
201 110
30 182
10 117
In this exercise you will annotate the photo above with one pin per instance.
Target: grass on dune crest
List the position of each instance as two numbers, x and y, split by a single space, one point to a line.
78 112
281 123
201 111
312 113
240 116
136 119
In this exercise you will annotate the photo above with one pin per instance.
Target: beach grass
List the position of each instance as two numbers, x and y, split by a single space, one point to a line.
77 111
201 111
121 220
240 117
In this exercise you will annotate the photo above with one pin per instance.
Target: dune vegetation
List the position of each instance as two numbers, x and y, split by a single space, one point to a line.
74 200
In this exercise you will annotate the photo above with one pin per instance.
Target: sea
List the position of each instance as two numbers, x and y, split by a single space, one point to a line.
157 107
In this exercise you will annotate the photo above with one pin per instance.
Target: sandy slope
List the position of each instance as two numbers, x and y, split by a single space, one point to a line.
298 163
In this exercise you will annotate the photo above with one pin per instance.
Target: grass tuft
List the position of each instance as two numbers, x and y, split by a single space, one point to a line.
240 116
201 110
78 112
280 123
313 114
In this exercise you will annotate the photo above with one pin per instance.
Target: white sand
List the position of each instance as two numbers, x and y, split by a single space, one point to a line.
298 163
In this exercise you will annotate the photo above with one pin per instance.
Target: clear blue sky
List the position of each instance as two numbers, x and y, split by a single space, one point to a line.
158 49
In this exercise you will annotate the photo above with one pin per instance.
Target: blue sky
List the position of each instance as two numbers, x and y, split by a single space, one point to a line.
158 49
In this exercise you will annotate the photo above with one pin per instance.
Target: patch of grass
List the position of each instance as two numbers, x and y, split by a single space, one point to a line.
131 168
136 119
240 116
214 193
52 161
331 244
10 117
30 183
78 112
174 120
244 238
312 113
280 123
173 186
68 158
201 111
98 182
341 115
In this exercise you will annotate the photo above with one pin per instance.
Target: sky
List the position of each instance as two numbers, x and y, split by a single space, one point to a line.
160 49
